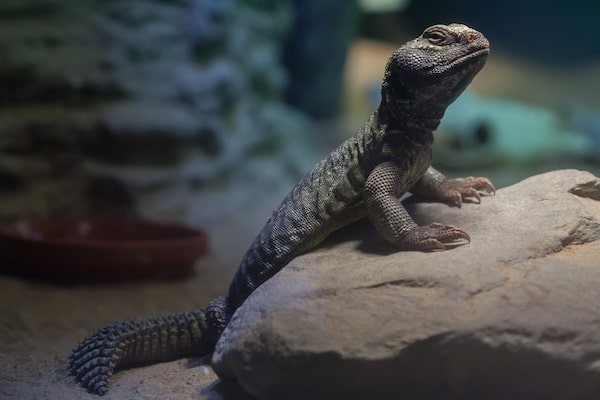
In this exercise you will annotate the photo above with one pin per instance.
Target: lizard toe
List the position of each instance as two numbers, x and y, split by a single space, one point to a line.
468 188
480 184
486 186
434 237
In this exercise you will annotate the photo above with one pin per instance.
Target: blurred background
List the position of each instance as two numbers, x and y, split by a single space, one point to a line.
206 112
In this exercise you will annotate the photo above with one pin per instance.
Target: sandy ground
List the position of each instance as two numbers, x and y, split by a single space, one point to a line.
40 322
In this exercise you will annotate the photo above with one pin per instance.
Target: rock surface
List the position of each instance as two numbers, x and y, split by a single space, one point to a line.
514 314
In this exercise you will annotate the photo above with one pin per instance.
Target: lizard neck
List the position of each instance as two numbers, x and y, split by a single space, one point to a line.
407 117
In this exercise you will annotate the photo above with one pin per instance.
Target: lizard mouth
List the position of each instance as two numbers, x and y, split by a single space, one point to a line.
476 55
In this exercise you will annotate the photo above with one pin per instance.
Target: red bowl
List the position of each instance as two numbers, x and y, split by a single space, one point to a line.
98 249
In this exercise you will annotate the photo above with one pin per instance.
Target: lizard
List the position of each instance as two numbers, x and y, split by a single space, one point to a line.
364 177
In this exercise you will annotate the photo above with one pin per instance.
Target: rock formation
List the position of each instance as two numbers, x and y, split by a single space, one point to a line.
514 314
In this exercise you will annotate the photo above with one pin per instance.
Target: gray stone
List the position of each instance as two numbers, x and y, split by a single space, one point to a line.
515 314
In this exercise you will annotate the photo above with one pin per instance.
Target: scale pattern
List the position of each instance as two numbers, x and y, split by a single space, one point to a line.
364 177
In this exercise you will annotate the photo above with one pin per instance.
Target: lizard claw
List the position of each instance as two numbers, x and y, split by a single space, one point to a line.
467 188
434 237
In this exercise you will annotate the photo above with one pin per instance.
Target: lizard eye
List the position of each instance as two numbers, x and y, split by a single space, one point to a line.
435 36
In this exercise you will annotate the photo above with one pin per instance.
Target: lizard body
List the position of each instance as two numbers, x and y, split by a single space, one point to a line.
363 177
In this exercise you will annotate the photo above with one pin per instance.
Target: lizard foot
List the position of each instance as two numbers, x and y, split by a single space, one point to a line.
456 190
434 237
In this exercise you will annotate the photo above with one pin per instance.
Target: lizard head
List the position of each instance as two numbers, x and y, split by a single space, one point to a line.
426 74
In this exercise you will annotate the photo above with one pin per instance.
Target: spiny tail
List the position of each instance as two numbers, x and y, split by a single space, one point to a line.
143 341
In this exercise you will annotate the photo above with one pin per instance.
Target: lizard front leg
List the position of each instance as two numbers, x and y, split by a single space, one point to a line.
382 191
434 184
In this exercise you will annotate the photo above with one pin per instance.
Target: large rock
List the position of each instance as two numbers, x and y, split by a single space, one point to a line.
514 314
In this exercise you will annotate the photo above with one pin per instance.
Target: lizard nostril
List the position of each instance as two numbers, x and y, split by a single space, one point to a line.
470 37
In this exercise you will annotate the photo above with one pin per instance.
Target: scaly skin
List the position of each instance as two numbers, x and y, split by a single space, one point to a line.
364 177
